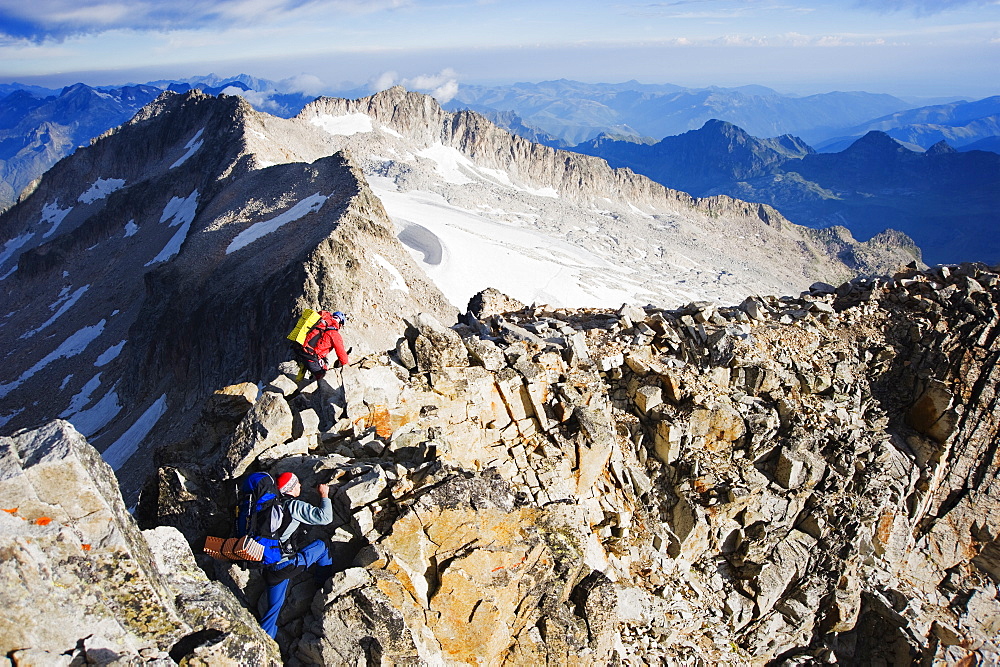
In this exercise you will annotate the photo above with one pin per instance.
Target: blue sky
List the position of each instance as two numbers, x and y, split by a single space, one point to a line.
905 47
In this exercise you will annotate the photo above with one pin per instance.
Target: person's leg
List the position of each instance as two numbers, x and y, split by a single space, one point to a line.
275 600
318 369
317 553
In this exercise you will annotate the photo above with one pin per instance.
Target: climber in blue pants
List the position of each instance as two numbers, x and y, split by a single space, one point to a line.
316 553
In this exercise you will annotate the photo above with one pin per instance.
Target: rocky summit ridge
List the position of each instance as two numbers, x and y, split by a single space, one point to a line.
171 256
793 480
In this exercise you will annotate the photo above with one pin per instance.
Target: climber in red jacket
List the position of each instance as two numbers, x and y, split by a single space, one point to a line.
323 338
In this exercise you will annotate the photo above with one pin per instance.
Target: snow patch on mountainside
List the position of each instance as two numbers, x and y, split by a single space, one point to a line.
449 163
543 192
345 126
10 415
80 400
64 303
255 231
13 245
100 189
122 449
455 168
398 282
70 347
93 419
193 145
180 211
109 354
51 213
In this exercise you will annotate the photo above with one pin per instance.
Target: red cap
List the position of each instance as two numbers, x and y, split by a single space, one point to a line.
287 481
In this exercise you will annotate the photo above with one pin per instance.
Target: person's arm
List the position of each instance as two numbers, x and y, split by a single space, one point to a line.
338 346
311 514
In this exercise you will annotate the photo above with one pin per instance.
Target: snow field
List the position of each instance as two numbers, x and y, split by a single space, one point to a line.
122 449
257 230
455 168
477 253
344 126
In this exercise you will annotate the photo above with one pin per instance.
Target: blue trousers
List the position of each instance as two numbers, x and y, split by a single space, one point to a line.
314 553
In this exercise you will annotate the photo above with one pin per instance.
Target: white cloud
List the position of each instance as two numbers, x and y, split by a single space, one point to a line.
442 86
306 84
383 81
59 19
258 100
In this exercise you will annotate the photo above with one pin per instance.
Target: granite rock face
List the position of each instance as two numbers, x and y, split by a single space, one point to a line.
786 481
83 585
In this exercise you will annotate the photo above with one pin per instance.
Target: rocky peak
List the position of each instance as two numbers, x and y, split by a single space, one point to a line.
876 144
940 148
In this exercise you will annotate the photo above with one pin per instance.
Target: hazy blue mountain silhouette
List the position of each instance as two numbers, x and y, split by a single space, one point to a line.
948 201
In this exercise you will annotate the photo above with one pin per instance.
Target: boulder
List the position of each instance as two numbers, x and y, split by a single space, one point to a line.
491 302
485 353
437 346
79 572
932 413
268 423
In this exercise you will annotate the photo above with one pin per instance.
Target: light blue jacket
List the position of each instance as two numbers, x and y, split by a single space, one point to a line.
306 513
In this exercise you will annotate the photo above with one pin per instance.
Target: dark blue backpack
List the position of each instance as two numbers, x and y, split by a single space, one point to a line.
262 515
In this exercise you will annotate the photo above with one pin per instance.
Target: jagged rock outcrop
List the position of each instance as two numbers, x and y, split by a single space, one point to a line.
786 481
83 585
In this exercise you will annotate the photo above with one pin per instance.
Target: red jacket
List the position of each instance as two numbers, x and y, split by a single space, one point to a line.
331 340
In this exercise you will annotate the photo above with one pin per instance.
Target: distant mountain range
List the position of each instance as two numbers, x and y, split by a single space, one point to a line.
571 112
577 112
36 132
964 125
40 126
947 201
616 121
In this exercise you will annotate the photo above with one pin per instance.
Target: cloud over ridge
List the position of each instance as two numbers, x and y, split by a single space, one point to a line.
59 19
